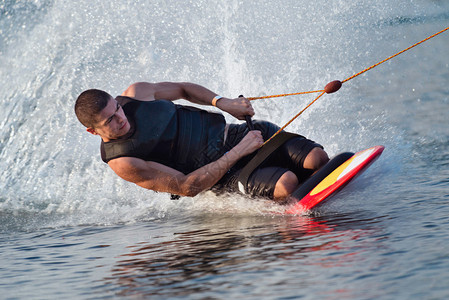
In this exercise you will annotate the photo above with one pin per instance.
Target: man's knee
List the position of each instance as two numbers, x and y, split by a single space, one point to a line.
286 185
316 159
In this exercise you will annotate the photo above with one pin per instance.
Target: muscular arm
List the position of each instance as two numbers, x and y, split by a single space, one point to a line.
157 177
145 91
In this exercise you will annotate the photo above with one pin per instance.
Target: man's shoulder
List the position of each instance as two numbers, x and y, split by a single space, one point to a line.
143 91
129 168
125 163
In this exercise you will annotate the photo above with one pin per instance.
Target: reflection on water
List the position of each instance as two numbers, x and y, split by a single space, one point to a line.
221 255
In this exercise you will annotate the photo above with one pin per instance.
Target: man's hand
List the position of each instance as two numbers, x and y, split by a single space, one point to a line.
238 107
250 143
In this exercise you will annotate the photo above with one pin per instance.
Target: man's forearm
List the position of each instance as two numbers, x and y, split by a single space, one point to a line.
237 107
207 176
197 94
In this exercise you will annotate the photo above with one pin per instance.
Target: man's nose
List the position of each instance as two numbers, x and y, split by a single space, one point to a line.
121 117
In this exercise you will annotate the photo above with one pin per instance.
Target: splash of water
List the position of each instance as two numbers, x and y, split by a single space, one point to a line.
53 50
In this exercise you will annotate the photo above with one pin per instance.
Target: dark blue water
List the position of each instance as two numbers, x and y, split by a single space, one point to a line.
71 228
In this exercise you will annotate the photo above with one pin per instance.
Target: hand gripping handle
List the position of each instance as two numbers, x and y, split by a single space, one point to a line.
248 120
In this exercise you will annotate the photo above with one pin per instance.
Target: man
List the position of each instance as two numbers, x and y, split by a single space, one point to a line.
182 150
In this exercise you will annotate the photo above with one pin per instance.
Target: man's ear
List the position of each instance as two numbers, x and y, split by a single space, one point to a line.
91 130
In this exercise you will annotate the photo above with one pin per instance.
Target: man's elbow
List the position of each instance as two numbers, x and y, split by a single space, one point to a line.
191 188
191 192
183 192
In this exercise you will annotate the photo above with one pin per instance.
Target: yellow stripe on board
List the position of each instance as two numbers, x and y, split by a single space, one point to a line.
331 178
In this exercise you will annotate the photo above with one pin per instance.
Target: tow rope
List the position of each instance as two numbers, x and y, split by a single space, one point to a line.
335 85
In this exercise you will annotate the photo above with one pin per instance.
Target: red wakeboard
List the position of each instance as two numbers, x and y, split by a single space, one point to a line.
331 178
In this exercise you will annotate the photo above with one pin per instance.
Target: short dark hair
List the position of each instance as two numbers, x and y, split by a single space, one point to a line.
89 104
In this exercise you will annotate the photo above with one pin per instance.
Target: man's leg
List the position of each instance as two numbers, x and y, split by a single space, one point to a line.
272 182
316 158
286 185
289 182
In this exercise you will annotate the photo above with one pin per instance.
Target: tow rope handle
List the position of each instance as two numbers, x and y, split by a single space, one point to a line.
261 154
248 120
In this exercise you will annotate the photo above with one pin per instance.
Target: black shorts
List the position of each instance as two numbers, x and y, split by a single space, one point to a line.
288 157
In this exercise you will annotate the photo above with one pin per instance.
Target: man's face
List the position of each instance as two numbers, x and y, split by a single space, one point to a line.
111 122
